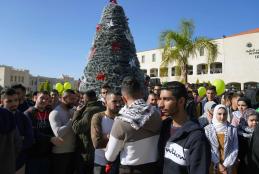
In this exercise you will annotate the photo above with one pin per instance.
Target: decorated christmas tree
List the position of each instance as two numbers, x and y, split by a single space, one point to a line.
113 53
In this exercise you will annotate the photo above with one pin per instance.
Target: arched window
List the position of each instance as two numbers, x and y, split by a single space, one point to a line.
144 71
153 72
202 51
216 68
190 70
175 71
164 72
202 69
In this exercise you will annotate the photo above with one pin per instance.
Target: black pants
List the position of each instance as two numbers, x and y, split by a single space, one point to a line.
62 163
83 167
150 168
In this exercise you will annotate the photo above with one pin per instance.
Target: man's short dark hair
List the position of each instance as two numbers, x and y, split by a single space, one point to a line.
7 92
54 91
105 86
113 92
131 86
19 86
91 95
177 88
68 91
211 88
43 92
35 93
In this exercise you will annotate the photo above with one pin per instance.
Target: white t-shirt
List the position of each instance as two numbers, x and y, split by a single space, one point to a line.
99 157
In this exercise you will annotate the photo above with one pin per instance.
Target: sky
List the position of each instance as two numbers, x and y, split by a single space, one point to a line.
53 37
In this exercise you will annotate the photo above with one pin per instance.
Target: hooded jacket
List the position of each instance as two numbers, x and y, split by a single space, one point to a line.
188 151
9 142
135 135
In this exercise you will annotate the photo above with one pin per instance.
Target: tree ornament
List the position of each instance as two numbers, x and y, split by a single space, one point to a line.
98 27
116 46
110 24
132 63
100 76
113 1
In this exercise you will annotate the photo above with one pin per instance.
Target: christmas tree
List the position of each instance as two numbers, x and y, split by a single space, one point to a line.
113 53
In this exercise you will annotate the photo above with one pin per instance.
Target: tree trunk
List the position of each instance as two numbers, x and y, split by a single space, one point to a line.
184 73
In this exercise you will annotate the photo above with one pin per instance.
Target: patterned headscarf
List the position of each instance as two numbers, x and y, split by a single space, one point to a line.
243 128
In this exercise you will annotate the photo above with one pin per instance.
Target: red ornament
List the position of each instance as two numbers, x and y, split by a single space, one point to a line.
113 1
98 27
116 46
100 76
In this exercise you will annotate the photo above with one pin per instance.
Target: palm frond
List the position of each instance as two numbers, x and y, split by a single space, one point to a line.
187 28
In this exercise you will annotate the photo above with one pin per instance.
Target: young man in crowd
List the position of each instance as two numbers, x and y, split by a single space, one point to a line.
81 125
152 99
39 153
135 132
21 92
157 89
210 96
104 90
101 126
54 98
183 145
9 142
63 156
23 123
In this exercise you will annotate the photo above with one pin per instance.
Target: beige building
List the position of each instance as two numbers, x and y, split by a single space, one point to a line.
10 76
237 62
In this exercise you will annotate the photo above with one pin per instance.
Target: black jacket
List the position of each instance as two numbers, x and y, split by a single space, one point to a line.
253 154
188 151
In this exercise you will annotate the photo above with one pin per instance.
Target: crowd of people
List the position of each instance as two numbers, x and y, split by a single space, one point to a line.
170 129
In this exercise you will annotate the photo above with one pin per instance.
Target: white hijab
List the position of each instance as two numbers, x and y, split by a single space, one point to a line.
219 126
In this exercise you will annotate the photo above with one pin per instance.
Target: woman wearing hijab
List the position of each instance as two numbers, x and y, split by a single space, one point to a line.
243 103
245 131
224 142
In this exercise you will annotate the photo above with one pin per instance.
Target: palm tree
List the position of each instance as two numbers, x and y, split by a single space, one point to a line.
178 47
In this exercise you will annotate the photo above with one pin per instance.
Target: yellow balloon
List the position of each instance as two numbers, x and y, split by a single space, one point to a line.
220 86
201 91
67 85
59 87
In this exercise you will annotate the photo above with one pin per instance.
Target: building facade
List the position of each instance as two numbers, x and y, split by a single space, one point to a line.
237 62
10 76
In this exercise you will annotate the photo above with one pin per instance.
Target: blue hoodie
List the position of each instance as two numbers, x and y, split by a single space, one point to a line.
188 151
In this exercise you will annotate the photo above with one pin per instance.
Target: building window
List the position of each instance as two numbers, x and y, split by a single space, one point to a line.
163 72
202 69
11 78
142 59
153 72
144 71
202 51
190 70
153 57
22 79
175 71
216 68
19 78
15 78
